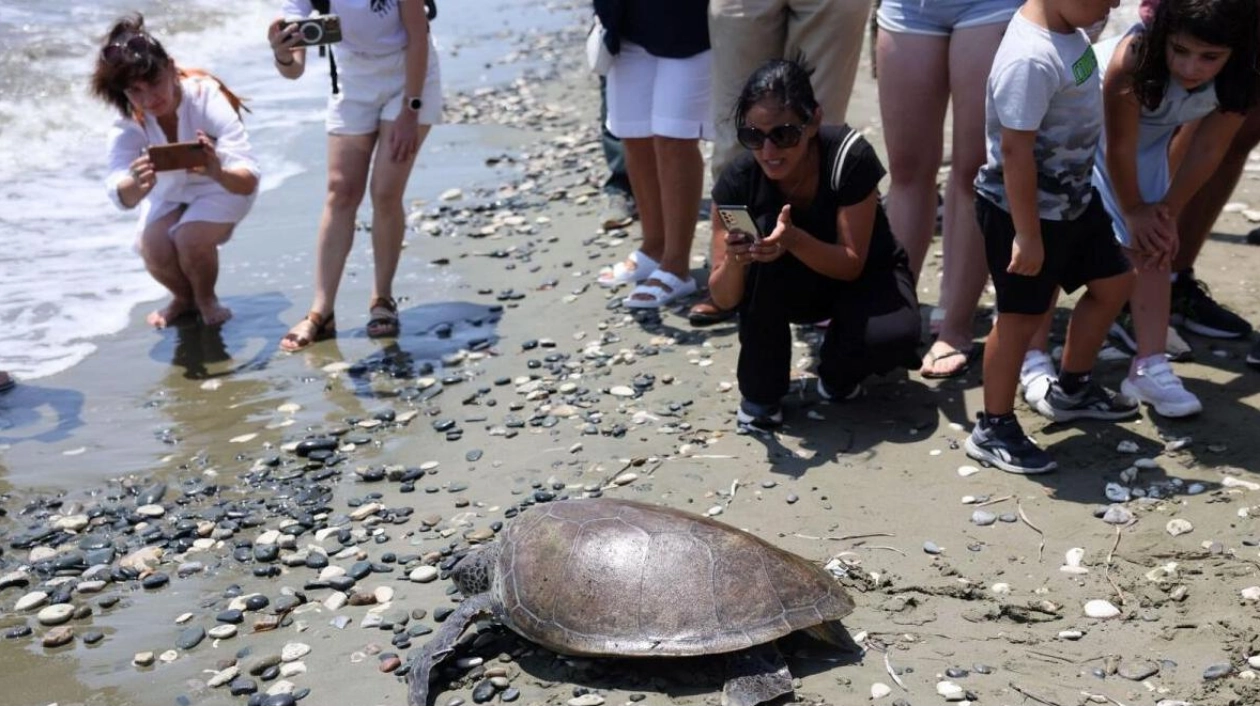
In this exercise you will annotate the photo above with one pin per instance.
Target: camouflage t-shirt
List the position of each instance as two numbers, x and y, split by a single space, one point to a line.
1048 82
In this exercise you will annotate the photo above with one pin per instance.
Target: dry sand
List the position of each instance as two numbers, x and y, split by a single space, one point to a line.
869 483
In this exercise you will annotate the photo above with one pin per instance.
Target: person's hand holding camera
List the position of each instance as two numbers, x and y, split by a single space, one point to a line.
283 37
213 167
141 181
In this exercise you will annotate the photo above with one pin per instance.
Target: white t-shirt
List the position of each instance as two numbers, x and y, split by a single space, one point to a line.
1048 82
371 27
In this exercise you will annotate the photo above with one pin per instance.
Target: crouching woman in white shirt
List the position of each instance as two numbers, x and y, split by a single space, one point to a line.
185 214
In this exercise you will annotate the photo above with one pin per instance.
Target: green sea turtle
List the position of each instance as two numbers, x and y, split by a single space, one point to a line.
603 577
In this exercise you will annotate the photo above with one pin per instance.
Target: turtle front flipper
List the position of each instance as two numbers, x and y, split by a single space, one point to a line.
756 675
441 645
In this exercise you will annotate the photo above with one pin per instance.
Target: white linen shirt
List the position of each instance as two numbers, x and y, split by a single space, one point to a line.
202 107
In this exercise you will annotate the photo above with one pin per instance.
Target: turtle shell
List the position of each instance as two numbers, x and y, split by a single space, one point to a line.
604 577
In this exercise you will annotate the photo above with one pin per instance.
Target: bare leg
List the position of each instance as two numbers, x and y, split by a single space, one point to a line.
970 55
349 157
1003 356
198 244
389 220
162 261
680 174
348 160
1150 306
1194 225
644 182
913 94
1093 315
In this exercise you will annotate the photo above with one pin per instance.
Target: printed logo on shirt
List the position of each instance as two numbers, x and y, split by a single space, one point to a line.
382 7
1085 66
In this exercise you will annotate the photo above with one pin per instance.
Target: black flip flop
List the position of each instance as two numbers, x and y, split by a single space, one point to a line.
709 313
957 372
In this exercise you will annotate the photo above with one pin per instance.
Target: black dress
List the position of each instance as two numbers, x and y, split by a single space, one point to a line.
875 321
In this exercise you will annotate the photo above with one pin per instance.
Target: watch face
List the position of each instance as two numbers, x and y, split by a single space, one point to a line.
414 103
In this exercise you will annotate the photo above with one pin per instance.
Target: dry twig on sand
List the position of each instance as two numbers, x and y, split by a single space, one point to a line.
1107 569
1031 696
1041 548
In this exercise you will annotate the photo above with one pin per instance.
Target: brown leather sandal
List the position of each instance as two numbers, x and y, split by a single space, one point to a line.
321 327
384 318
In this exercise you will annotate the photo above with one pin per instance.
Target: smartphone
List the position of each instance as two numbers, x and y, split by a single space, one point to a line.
177 155
739 218
314 31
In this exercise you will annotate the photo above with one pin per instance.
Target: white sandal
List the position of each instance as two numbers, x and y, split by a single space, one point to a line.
661 288
619 274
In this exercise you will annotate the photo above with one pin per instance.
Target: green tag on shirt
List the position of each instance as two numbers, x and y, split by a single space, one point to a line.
1085 66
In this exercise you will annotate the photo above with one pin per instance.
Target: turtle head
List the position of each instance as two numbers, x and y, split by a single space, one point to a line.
474 571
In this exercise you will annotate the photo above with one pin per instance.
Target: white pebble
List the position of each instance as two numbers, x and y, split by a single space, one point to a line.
1117 493
1178 526
222 631
1231 482
1127 446
1001 588
626 478
423 574
1254 661
880 690
621 391
294 651
951 691
714 511
1071 635
967 470
1101 609
1251 594
33 600
1146 463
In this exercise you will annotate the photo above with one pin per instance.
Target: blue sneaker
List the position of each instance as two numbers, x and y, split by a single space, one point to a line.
1006 447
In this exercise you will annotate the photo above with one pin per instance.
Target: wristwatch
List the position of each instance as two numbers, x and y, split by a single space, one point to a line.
414 103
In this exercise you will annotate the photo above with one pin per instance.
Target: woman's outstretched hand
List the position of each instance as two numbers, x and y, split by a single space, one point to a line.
773 246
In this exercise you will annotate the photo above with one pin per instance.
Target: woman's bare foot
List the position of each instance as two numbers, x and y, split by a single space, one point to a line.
213 313
176 308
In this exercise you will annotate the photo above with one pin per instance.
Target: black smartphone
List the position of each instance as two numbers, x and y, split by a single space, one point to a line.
177 155
739 218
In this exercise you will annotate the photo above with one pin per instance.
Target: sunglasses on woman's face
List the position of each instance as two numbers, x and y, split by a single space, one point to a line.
783 136
138 47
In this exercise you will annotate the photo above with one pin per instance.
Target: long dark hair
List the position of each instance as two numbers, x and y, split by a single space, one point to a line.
1226 23
783 80
130 55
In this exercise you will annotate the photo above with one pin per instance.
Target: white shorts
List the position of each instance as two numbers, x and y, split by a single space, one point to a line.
372 91
649 95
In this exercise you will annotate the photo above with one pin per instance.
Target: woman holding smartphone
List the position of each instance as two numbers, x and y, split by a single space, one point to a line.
186 212
388 94
827 250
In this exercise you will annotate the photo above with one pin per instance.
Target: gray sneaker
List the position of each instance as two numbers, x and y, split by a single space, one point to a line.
1091 402
1006 447
617 211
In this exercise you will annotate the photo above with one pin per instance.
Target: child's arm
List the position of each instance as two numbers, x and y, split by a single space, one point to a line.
1149 225
1020 179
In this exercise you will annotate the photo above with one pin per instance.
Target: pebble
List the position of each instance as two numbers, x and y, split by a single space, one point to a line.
222 631
964 471
59 636
1250 594
224 676
879 690
1117 493
1218 670
1127 446
294 651
33 600
55 614
143 658
1254 661
951 691
288 670
423 574
621 391
1178 526
189 638
484 692
1118 515
931 548
983 518
1137 670
1101 609
590 699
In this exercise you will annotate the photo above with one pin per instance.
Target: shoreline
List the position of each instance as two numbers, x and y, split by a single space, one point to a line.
518 379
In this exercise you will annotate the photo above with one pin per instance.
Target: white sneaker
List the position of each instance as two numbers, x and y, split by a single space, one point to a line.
1155 383
1036 375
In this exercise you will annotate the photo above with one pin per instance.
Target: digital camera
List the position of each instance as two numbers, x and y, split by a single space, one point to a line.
325 29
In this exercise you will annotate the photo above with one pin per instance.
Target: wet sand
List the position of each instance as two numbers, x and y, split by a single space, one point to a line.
502 276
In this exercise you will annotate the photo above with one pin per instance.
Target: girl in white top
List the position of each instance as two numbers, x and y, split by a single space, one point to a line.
185 215
1193 69
388 95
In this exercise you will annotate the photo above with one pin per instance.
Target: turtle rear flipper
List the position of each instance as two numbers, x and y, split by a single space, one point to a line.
758 674
441 645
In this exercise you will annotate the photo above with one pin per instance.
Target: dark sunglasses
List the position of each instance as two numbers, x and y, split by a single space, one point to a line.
138 47
783 136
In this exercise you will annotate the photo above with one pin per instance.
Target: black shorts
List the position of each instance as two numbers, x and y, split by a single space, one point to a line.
1077 252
